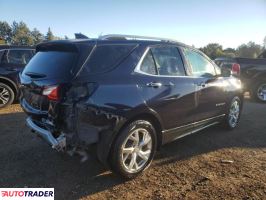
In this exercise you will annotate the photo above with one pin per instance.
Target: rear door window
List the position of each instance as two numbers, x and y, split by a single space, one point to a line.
168 61
52 64
106 57
148 64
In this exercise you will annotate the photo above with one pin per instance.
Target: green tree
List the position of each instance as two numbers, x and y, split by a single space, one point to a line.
229 52
2 41
49 35
213 50
5 32
249 50
21 34
37 36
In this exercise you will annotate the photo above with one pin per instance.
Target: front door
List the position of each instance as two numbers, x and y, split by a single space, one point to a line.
166 88
210 101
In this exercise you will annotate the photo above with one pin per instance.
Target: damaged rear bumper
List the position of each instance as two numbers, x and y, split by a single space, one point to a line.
58 143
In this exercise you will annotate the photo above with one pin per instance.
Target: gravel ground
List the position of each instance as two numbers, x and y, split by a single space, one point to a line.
212 164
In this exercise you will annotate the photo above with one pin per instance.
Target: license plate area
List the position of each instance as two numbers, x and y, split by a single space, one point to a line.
36 101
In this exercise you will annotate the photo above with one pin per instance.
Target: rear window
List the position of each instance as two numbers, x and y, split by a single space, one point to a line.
52 64
106 57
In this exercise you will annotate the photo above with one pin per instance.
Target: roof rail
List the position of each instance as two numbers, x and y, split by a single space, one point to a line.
134 37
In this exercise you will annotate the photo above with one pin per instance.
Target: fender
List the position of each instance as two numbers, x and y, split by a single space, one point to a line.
260 76
105 143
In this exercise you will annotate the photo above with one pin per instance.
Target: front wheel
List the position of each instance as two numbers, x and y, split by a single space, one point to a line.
134 149
233 115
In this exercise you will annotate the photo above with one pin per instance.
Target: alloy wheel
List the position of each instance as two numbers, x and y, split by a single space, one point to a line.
261 92
136 150
4 96
234 113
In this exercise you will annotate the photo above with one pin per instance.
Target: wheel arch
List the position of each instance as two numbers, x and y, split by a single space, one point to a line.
150 117
105 145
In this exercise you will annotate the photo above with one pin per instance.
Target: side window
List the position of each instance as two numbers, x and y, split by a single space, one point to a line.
106 57
168 61
148 65
199 64
21 57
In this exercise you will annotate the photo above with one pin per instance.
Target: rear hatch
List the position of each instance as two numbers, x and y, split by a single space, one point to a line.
54 66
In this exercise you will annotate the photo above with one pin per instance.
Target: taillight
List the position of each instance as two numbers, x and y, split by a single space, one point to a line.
236 69
52 92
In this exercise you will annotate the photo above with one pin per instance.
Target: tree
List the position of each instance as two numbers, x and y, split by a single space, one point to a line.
229 52
21 34
49 35
249 50
5 32
37 36
264 42
213 50
2 41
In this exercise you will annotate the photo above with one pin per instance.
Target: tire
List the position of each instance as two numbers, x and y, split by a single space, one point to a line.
259 92
6 95
233 114
121 162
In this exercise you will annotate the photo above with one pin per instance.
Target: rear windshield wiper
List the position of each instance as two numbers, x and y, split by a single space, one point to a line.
35 75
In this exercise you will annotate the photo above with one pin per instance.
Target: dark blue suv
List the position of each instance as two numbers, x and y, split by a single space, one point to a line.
12 61
126 95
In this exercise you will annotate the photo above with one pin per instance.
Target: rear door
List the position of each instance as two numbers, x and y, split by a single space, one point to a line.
211 96
165 87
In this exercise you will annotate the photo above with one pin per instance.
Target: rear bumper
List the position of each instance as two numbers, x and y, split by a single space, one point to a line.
57 143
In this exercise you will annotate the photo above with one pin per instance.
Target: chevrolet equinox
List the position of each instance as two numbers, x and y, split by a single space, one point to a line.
125 95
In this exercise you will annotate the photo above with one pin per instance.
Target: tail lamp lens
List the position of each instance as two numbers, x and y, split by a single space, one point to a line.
52 92
235 69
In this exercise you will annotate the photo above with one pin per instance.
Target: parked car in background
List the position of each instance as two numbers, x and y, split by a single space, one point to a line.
252 73
128 95
12 61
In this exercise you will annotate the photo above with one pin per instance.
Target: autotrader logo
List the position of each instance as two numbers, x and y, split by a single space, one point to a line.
27 193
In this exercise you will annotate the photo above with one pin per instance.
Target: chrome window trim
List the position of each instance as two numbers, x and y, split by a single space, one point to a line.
137 68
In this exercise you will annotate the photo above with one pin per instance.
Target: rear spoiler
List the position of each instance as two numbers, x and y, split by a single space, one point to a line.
81 36
57 45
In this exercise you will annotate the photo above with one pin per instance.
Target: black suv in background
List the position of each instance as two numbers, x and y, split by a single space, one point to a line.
251 71
128 95
12 61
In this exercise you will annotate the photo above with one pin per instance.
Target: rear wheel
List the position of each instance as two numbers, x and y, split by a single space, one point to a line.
233 115
6 95
134 149
259 92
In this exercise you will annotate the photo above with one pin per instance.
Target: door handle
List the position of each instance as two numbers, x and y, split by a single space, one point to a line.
154 84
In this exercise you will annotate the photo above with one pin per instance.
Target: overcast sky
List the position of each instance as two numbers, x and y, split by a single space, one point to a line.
198 22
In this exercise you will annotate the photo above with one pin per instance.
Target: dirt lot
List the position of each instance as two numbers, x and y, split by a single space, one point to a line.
190 168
